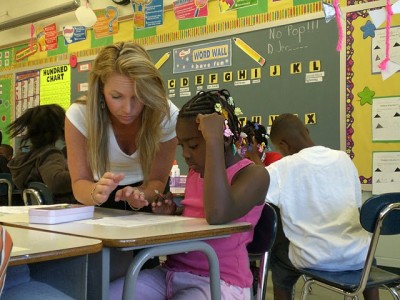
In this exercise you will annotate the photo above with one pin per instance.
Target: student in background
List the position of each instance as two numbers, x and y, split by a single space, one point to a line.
123 133
318 192
254 144
6 154
222 187
42 126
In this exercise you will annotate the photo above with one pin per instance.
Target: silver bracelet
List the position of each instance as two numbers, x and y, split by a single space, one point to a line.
91 196
133 208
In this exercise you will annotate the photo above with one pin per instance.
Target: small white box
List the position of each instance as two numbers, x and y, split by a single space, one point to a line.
60 213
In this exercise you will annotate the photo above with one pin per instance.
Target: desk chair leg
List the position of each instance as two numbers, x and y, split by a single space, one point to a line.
35 195
147 253
9 189
305 279
306 289
263 277
393 292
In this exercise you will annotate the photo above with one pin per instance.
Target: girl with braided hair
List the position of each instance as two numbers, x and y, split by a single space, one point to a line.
222 187
254 144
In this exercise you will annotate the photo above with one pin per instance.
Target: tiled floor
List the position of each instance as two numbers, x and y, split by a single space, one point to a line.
319 293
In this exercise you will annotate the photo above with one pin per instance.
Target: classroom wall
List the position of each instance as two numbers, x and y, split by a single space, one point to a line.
350 121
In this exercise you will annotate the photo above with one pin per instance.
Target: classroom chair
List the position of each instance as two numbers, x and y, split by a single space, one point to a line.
380 215
6 186
38 193
8 190
259 249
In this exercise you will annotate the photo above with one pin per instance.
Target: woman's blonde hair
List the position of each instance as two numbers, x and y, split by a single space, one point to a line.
133 61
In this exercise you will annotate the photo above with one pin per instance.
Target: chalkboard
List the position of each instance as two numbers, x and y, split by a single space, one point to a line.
304 51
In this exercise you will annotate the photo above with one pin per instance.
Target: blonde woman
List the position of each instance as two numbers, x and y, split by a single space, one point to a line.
121 139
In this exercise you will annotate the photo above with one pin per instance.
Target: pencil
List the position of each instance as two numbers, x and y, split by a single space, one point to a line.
249 51
162 60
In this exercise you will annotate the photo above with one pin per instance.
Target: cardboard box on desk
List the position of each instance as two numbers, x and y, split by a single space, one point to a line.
60 213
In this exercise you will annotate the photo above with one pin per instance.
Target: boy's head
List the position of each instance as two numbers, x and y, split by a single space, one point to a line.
289 135
7 151
188 134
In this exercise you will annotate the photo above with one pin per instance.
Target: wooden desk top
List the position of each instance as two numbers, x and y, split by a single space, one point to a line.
31 246
117 228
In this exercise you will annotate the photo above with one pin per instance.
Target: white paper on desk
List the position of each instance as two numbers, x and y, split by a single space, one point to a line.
16 250
18 209
135 220
21 209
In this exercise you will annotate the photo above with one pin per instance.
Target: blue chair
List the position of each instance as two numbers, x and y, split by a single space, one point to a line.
37 192
259 249
6 186
380 215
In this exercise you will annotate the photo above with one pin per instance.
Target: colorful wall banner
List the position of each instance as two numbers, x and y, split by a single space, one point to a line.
107 22
225 5
148 13
172 30
73 34
47 37
203 56
189 9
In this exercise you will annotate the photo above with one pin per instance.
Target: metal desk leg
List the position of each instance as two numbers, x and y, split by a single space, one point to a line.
105 269
147 253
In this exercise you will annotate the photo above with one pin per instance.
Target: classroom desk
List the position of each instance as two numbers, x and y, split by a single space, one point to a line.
158 230
53 257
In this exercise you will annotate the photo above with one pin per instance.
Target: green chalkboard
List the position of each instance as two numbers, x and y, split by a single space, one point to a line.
308 83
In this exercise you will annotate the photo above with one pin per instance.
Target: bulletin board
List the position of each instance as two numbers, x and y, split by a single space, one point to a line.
365 87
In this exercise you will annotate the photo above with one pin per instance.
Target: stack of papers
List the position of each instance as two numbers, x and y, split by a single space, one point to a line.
60 213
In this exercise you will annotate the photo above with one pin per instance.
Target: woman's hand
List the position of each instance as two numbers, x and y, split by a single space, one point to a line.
104 187
164 205
133 196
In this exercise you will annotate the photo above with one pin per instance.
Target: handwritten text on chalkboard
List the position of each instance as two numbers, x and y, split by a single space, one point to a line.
291 37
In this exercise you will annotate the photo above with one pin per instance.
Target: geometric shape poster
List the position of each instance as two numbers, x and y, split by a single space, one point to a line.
386 119
385 172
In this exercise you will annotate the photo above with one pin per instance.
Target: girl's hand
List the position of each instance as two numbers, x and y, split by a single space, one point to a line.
211 126
133 196
252 152
164 205
103 188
